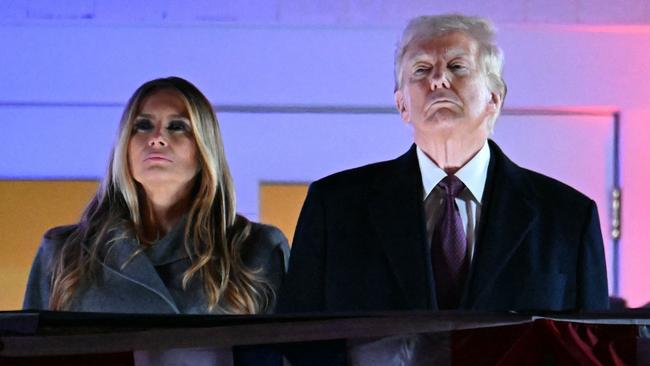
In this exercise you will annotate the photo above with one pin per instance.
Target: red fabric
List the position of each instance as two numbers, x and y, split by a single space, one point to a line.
506 345
546 342
590 344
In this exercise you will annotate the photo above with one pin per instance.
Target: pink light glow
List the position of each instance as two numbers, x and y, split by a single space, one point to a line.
635 218
585 28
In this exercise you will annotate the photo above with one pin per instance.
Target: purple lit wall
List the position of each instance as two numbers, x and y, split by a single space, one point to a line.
66 70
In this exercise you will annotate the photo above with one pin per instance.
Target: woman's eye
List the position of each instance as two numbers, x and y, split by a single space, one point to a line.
178 126
142 125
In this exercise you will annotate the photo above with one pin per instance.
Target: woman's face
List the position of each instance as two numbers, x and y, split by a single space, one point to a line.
162 150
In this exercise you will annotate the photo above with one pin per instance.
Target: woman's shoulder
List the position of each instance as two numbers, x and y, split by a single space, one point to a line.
267 233
54 238
266 243
59 233
37 293
51 243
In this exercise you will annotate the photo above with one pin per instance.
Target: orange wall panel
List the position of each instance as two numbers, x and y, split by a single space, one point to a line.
280 205
27 210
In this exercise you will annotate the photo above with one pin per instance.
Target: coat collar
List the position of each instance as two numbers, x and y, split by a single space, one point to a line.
396 193
397 213
508 214
118 258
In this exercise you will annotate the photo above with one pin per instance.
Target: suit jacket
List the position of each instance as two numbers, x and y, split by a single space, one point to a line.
137 287
361 245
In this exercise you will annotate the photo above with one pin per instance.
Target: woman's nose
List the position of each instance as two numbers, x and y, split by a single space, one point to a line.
157 138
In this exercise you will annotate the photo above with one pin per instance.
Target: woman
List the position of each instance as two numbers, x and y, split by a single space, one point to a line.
161 234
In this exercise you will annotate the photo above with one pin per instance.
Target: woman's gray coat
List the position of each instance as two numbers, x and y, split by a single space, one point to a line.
149 282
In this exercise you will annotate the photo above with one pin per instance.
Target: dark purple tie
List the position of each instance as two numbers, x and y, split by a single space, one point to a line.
449 247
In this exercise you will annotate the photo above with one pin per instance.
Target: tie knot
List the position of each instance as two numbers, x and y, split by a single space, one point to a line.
452 185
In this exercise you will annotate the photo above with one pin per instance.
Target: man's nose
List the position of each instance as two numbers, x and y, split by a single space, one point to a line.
439 80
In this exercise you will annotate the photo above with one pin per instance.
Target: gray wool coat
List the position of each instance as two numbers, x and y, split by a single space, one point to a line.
151 281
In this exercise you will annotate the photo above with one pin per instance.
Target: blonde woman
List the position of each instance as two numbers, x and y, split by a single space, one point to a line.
161 234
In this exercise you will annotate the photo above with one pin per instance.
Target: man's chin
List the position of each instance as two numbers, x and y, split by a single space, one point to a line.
444 116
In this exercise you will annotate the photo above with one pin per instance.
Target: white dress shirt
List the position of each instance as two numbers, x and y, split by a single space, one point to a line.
473 175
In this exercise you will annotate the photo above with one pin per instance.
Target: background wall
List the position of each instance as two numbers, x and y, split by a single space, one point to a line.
67 68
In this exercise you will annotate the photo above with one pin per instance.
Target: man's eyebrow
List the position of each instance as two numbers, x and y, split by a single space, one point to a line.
420 56
449 52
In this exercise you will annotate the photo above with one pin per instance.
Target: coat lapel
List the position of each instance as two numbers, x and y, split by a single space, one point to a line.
396 212
508 214
118 260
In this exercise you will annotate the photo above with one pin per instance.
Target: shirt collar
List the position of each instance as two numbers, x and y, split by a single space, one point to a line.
473 174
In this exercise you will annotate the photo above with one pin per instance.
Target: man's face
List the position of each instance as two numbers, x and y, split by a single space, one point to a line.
444 89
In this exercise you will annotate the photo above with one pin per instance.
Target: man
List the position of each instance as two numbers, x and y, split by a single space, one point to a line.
452 223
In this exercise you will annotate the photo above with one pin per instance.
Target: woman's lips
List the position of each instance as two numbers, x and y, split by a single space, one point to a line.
157 157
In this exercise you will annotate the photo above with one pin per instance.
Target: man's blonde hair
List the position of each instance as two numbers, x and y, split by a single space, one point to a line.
490 56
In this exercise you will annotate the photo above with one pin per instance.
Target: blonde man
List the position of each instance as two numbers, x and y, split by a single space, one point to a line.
452 223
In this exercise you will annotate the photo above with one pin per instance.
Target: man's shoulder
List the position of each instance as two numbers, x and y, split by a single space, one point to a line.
356 178
547 188
354 174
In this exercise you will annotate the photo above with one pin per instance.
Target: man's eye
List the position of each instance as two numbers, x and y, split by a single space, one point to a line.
142 124
178 126
457 67
420 70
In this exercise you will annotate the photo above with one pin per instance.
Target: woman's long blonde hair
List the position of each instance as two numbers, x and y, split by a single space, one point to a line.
214 233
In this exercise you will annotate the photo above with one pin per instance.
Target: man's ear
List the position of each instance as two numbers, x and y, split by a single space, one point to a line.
494 104
401 106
